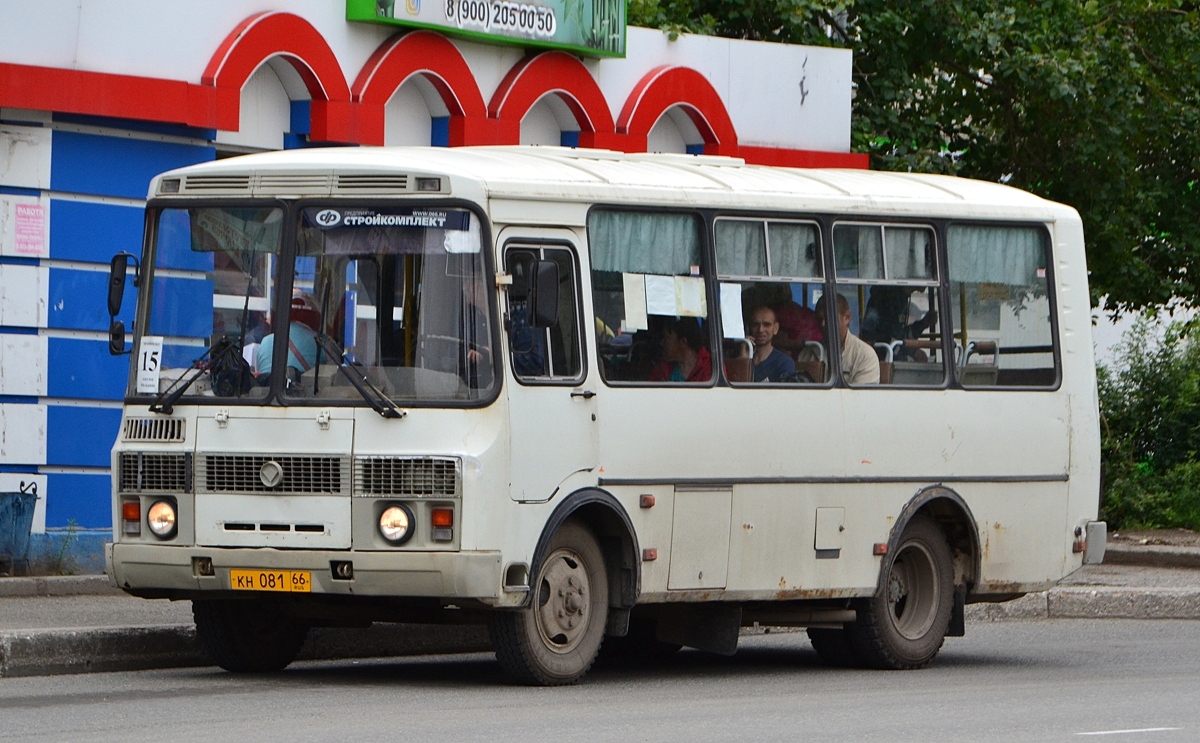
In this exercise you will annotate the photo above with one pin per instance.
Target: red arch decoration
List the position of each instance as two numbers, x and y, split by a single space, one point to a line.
560 74
665 87
278 34
438 61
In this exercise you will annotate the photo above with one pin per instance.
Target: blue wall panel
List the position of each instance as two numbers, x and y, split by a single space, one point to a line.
79 300
81 231
114 166
182 307
83 499
80 437
84 369
174 248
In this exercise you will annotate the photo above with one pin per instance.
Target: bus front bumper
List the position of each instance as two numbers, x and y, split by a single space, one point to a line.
173 571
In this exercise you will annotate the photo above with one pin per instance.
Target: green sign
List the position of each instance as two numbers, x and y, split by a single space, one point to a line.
590 27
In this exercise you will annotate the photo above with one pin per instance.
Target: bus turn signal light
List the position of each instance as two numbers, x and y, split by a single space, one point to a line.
131 517
442 520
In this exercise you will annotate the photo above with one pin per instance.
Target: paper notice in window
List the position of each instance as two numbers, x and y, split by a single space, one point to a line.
149 364
689 297
731 311
660 295
635 302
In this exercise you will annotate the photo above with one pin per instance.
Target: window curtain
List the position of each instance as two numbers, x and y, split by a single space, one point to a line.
795 253
996 255
644 242
741 248
909 254
858 250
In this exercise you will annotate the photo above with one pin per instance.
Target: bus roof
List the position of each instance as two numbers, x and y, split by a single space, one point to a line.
602 176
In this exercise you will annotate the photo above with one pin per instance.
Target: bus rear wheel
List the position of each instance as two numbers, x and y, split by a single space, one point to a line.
904 625
555 639
248 636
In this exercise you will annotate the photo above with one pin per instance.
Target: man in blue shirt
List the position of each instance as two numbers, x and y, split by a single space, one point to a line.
302 339
770 364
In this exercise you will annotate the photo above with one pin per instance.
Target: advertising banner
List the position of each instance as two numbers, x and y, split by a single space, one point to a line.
589 27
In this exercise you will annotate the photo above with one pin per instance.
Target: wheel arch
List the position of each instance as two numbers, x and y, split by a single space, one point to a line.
601 512
953 516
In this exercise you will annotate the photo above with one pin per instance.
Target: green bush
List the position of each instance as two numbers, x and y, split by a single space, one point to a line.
1150 427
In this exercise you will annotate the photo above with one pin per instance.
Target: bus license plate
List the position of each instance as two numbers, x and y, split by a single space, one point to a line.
270 580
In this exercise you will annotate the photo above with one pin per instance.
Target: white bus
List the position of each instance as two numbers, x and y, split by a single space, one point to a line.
580 395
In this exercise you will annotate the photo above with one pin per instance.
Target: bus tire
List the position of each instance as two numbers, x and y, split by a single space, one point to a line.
904 625
554 640
252 636
833 647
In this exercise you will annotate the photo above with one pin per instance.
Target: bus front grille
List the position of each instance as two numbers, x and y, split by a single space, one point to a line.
155 473
432 477
153 429
241 473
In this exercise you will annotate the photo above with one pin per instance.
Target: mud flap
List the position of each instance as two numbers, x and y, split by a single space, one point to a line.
712 628
958 613
618 622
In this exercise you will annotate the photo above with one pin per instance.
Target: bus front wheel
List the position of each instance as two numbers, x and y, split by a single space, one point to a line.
555 639
904 625
248 636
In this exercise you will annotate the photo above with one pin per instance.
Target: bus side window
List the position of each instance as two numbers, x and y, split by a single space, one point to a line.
649 296
770 278
888 276
553 353
1001 306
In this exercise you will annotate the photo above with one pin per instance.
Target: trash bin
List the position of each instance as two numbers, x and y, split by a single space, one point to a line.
16 521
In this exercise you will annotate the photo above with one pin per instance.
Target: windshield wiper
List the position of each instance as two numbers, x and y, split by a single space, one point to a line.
165 401
354 372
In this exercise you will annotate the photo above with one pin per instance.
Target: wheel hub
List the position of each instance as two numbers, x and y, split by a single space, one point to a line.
912 591
563 601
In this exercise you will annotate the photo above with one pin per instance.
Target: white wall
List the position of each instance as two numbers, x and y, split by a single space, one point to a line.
803 103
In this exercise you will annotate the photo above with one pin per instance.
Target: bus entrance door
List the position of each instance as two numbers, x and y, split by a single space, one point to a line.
552 410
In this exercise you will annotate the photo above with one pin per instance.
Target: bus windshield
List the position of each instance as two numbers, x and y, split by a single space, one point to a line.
394 296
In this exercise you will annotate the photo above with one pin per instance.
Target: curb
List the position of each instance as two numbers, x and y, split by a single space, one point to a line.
52 652
58 585
1152 555
1082 602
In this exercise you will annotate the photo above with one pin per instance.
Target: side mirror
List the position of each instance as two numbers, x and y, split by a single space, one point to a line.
543 294
117 271
116 338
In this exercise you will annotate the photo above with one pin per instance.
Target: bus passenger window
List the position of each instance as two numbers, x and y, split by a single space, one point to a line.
649 296
547 354
770 278
888 276
1001 305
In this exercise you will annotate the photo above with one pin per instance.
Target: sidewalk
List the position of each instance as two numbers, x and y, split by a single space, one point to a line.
79 624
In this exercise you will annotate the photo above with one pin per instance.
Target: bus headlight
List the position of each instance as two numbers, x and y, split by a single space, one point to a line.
396 524
161 519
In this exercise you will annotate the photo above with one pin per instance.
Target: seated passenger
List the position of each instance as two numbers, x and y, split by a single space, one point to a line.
860 365
302 340
770 364
886 320
797 323
685 353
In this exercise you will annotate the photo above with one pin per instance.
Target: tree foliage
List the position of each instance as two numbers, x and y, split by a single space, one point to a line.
1150 423
1094 103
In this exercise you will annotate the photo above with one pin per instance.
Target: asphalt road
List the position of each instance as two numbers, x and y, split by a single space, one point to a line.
1057 680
